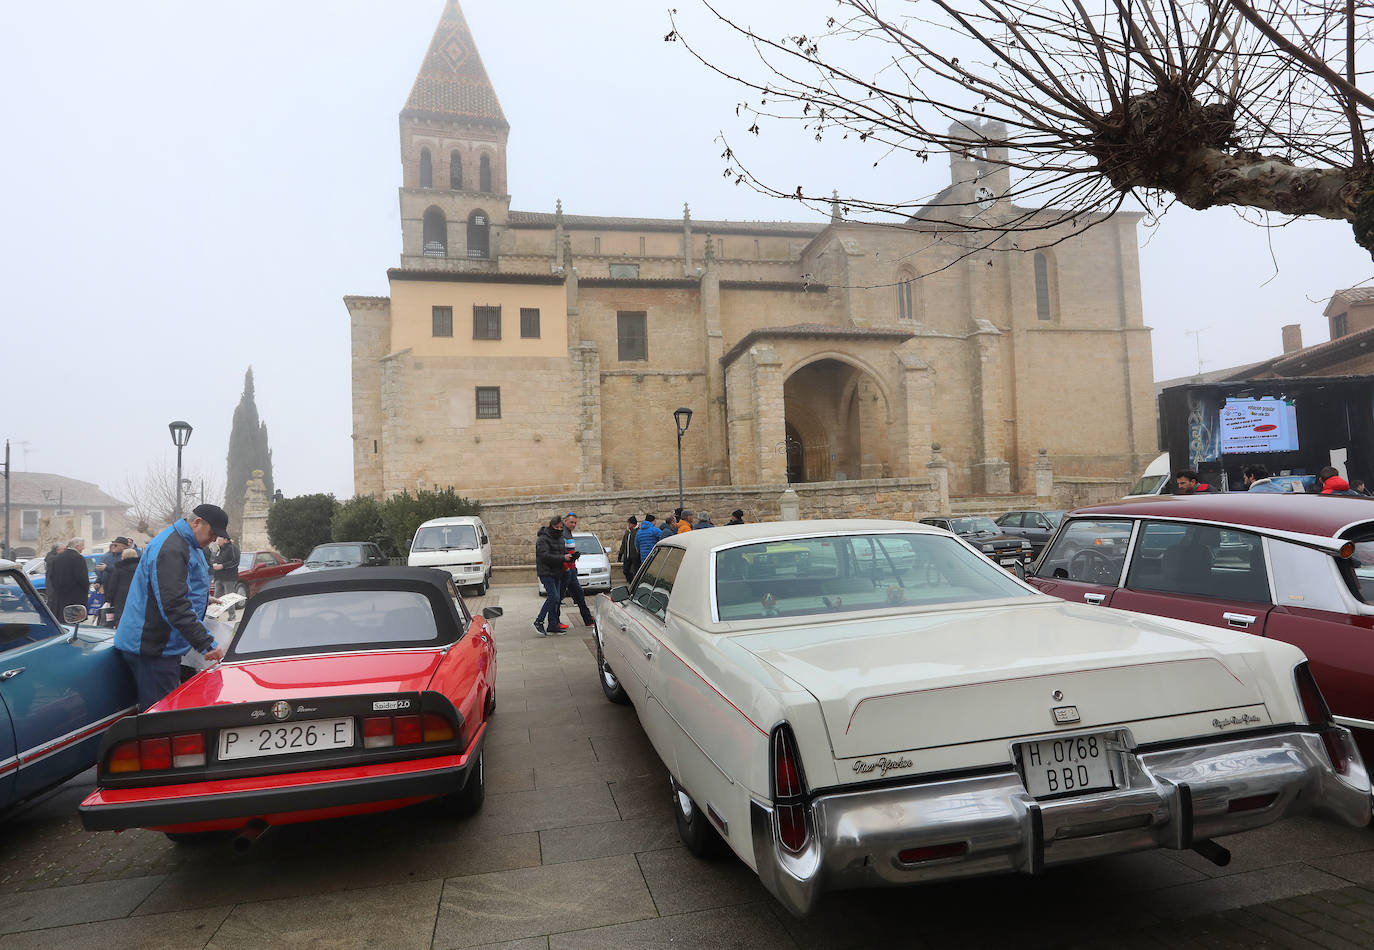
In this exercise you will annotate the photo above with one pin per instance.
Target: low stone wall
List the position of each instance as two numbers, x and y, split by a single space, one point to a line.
513 522
1073 492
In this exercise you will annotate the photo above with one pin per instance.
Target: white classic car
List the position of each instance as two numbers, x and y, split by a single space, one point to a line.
861 703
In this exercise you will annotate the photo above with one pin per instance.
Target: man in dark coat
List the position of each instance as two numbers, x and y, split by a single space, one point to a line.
629 553
225 567
68 579
736 517
549 558
118 582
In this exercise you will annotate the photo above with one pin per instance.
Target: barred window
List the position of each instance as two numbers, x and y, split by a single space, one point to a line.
529 323
488 402
1042 287
632 335
1339 326
486 323
630 271
28 525
443 321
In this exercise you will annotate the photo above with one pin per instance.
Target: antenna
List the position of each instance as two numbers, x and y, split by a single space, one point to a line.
25 447
1197 341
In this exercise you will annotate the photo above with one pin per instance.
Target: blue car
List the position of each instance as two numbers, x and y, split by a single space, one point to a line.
35 570
59 691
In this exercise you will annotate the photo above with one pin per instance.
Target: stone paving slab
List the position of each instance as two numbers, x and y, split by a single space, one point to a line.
185 930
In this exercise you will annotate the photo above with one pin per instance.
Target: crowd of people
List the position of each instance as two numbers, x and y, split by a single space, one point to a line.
1257 479
555 558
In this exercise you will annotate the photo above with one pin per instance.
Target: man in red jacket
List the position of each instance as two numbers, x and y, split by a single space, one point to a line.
1190 483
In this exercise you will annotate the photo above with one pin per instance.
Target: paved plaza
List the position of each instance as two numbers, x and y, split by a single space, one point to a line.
576 848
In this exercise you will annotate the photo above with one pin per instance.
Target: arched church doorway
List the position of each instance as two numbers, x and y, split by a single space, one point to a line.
837 415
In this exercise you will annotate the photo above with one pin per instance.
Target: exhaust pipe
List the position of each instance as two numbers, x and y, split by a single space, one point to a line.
249 834
1213 852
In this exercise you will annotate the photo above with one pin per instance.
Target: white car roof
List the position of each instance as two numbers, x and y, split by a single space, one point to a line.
722 535
453 519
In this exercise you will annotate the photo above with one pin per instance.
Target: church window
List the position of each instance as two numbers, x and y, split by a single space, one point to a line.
486 323
632 335
1339 326
596 245
455 172
905 310
484 175
426 169
625 271
28 524
442 321
479 235
435 234
1042 287
488 402
529 323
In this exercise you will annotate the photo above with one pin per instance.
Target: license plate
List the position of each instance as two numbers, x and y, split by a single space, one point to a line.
1068 765
250 742
1010 561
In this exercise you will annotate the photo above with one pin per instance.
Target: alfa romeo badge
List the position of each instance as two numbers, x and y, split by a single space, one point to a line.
281 710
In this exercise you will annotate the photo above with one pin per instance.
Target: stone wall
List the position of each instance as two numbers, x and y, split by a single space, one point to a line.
1071 492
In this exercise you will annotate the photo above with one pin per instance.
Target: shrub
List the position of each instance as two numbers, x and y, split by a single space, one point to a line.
360 519
403 514
296 525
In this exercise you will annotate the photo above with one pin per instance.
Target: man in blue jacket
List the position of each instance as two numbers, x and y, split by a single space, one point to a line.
163 615
646 537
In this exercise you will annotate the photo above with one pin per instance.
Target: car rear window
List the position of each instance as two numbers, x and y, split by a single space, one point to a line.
445 537
338 620
830 575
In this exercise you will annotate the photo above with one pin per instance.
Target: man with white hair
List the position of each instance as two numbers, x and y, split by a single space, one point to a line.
68 578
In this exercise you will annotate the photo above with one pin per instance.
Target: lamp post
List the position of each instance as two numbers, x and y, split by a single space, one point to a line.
683 418
181 434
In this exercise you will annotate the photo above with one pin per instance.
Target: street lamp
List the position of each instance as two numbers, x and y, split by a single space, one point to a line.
181 434
683 418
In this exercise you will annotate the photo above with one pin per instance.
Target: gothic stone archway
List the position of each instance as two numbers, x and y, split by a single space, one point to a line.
840 416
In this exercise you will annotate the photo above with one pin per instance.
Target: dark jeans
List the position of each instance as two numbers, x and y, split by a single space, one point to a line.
154 676
225 583
572 587
630 568
553 599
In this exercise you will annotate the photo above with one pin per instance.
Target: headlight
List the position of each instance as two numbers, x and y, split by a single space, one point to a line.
989 548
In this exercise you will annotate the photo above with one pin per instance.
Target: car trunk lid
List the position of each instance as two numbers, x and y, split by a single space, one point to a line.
252 681
963 676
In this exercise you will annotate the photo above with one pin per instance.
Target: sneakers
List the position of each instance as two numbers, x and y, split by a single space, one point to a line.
539 628
589 621
561 629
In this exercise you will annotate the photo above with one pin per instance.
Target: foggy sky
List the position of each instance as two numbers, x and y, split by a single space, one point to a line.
192 188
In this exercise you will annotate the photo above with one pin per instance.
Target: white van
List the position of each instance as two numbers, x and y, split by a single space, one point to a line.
1155 480
458 545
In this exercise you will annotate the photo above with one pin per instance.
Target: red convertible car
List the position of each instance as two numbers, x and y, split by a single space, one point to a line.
344 692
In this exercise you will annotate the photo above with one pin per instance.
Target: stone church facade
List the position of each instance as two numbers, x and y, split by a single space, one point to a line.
542 353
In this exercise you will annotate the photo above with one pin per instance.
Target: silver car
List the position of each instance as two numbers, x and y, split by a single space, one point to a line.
593 567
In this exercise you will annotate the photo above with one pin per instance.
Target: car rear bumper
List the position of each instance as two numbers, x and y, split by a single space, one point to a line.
279 799
1172 799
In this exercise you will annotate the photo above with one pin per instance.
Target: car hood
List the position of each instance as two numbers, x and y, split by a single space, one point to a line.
254 681
970 675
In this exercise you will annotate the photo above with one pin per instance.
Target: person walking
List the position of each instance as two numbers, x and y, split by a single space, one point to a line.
164 612
572 587
225 567
736 517
629 553
549 557
118 583
646 537
68 579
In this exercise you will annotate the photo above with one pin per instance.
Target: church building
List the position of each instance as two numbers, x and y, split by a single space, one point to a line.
529 353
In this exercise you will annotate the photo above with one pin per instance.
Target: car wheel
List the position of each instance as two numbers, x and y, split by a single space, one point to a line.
190 837
491 705
610 683
481 587
469 800
693 827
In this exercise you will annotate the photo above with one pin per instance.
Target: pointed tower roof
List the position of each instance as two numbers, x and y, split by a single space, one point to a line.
453 83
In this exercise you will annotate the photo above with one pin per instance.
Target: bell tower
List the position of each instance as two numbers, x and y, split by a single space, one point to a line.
454 199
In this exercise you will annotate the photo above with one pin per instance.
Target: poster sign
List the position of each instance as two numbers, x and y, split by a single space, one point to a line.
1269 424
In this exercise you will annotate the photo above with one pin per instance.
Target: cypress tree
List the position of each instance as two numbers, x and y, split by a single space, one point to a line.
248 450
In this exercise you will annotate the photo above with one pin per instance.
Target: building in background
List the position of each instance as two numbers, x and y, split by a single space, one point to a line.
526 353
46 508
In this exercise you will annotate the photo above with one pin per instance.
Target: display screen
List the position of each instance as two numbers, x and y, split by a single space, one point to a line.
1269 424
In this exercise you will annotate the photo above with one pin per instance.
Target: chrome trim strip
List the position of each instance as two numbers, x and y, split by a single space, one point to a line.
9 764
53 746
240 661
1351 722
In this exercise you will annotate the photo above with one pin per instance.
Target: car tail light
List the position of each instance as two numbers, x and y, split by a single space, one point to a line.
789 791
1319 715
407 730
124 758
437 728
377 732
155 753
188 750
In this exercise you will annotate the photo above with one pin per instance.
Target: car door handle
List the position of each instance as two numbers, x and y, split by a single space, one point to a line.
1238 620
648 654
11 674
1094 598
623 628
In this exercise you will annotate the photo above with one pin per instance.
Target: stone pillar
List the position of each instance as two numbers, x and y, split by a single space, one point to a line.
558 231
1043 471
790 505
370 327
570 283
687 242
586 366
253 534
770 415
914 410
939 478
739 420
718 462
992 474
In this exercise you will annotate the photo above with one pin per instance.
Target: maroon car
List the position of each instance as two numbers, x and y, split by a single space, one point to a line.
1297 568
256 568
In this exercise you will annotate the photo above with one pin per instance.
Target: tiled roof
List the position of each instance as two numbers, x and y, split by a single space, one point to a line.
453 83
1346 297
542 219
811 331
27 488
1324 354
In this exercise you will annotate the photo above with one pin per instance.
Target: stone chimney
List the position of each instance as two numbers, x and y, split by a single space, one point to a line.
1292 338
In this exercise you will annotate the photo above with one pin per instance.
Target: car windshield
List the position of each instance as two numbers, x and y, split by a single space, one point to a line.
831 575
336 553
246 561
587 545
22 620
1054 517
445 537
974 526
1149 484
337 620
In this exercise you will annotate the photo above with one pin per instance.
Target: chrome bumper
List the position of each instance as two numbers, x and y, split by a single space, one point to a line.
1170 799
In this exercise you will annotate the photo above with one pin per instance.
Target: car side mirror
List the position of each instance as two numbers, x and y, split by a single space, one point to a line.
620 594
491 613
1020 570
74 613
